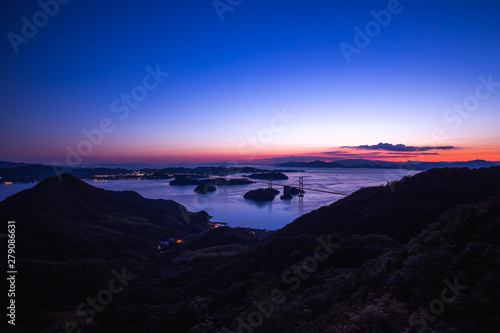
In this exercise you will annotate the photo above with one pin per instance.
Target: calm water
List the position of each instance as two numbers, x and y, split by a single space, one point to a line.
227 203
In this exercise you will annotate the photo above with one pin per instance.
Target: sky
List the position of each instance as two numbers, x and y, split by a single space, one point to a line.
237 81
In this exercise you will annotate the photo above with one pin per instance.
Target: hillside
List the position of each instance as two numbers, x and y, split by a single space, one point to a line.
375 261
388 251
70 235
404 207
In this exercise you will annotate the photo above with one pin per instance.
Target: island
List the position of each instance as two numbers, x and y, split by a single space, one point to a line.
261 194
296 191
269 175
205 186
184 181
287 196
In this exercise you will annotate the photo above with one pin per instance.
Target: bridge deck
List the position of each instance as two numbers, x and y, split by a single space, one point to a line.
277 184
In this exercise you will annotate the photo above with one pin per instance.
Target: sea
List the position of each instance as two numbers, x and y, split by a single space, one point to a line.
227 204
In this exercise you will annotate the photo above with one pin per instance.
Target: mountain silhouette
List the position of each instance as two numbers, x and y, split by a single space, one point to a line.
374 261
71 212
403 208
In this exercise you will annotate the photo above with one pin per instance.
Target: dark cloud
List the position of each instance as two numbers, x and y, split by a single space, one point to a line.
416 154
398 147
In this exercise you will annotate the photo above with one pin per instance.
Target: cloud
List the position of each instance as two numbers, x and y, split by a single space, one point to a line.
415 154
398 147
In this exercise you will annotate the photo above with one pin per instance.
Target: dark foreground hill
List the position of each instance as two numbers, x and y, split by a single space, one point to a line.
65 218
421 254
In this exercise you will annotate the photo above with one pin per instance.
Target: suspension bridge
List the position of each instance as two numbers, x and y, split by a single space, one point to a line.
270 184
300 187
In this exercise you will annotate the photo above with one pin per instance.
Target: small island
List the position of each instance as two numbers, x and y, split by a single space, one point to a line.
269 175
183 180
261 194
296 191
205 186
287 196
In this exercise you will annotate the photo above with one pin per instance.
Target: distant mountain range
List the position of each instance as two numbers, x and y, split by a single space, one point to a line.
418 253
6 165
28 173
410 165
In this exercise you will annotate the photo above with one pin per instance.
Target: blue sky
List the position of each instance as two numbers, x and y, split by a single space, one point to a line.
228 78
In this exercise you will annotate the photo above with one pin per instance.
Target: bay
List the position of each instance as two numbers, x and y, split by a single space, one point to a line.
227 204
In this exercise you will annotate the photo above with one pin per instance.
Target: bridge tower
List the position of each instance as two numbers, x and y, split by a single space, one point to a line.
301 187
